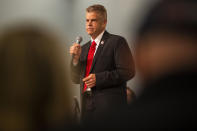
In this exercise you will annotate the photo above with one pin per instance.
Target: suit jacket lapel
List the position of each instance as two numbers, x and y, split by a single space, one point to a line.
100 48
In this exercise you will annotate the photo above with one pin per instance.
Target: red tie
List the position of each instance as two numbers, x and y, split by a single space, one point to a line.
89 60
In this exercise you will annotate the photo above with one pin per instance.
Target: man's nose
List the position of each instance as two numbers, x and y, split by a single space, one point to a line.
89 22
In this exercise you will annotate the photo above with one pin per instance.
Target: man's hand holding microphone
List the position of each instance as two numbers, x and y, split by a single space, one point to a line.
75 52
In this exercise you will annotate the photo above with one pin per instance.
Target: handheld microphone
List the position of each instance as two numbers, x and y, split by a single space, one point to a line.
78 41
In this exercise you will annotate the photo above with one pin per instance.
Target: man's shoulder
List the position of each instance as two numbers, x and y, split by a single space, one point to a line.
115 36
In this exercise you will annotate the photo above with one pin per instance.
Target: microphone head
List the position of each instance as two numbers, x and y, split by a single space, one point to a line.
79 39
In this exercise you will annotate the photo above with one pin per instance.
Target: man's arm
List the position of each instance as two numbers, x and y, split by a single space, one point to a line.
124 64
75 51
75 73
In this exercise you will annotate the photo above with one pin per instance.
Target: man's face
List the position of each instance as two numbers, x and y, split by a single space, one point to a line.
95 24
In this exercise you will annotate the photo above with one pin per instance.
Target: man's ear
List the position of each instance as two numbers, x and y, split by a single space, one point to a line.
104 23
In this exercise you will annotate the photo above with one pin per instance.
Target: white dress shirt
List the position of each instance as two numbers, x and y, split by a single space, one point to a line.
97 40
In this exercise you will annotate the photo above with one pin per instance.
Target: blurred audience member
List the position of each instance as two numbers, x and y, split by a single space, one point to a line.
166 59
34 91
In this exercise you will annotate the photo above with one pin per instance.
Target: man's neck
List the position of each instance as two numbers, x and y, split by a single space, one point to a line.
98 36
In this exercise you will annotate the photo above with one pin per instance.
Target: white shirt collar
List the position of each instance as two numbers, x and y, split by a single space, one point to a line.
98 38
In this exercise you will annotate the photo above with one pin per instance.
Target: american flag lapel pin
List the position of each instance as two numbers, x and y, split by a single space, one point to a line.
102 42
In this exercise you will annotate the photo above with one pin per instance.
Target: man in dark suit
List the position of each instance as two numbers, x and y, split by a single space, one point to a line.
102 67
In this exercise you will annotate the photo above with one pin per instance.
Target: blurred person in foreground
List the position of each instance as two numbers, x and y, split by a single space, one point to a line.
166 59
34 91
103 66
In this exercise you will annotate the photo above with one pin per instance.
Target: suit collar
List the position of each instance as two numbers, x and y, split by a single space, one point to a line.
100 48
98 38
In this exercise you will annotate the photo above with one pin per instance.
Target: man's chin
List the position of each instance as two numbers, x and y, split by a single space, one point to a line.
89 33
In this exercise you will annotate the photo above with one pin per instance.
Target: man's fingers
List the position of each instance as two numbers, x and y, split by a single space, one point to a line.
90 81
87 78
90 85
75 51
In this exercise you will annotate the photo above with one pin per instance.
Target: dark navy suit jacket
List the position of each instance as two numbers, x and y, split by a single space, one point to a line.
113 66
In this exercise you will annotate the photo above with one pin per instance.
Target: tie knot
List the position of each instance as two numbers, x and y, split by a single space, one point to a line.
93 44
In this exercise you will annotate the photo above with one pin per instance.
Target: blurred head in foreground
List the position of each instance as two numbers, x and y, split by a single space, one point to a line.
167 39
34 87
166 59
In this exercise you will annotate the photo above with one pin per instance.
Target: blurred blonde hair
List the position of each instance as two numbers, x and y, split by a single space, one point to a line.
34 90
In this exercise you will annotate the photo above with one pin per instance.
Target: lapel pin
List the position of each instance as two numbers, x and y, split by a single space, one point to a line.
102 42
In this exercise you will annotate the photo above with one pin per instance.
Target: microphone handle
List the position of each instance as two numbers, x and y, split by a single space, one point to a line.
78 42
